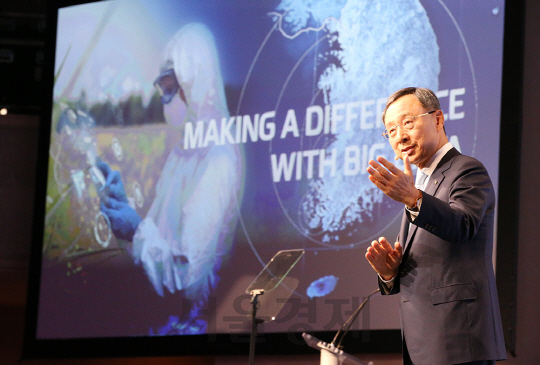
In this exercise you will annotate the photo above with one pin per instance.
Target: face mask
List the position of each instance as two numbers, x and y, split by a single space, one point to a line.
175 111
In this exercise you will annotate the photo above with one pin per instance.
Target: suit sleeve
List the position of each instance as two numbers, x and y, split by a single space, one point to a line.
384 288
470 197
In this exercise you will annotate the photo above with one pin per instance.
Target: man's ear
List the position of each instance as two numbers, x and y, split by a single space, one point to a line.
439 117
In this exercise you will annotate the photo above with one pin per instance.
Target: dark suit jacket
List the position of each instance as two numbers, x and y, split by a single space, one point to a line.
449 306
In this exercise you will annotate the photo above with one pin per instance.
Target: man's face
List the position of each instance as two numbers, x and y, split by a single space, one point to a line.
421 142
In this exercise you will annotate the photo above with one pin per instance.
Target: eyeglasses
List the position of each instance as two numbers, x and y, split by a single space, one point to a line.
406 124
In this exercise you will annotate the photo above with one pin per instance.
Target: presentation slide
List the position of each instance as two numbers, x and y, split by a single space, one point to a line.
191 141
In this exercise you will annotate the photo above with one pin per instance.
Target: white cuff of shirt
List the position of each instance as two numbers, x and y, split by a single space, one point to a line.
388 284
413 213
391 281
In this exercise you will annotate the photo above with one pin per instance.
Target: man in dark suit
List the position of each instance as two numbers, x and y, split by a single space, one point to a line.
442 262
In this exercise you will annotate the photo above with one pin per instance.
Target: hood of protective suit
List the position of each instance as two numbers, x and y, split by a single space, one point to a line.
195 60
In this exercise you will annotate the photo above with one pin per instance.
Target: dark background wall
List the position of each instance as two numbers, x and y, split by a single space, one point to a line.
18 149
528 293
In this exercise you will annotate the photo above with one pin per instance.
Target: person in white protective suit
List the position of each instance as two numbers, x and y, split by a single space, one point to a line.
188 229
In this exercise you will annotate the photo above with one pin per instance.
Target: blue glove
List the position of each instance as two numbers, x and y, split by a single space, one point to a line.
113 182
124 219
114 204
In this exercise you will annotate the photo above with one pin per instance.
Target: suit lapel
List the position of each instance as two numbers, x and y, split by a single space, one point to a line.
436 179
404 231
431 188
412 231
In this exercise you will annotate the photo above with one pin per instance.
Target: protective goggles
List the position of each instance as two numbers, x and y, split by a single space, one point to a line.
167 85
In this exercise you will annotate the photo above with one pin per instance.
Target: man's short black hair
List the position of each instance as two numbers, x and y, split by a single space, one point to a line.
426 97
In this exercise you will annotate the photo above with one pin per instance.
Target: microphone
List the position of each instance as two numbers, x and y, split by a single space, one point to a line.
347 325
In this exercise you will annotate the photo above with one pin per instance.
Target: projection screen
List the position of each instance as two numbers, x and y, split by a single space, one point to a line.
192 140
